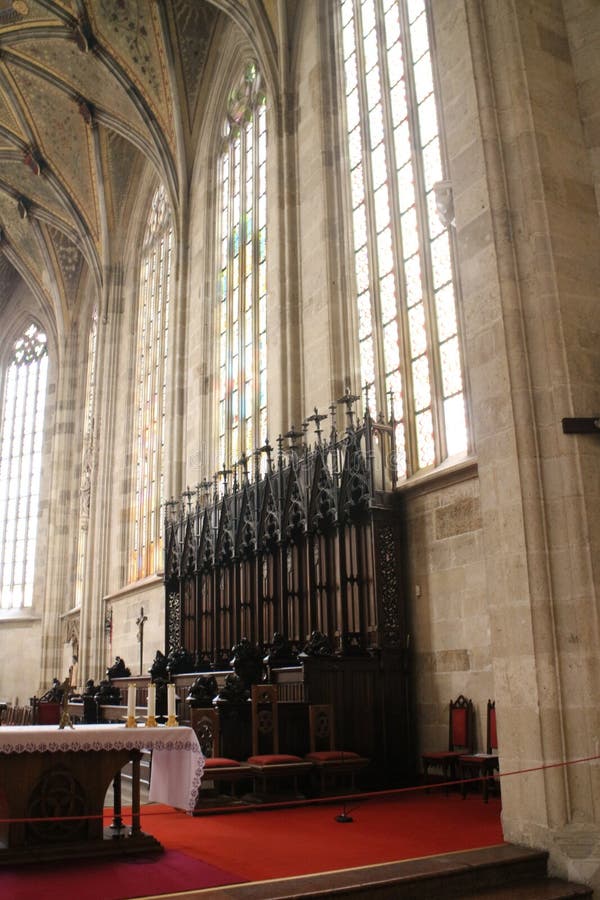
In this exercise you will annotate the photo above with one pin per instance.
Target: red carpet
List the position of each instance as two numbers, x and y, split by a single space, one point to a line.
285 842
255 845
111 880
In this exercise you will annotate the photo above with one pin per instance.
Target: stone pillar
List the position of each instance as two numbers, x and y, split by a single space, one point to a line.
528 236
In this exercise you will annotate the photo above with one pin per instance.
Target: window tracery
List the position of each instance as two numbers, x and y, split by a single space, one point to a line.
21 466
406 290
242 284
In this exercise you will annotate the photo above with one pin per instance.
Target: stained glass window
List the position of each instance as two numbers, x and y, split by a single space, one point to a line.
152 351
406 290
242 282
20 466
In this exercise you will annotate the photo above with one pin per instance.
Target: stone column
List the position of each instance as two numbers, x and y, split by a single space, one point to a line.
528 237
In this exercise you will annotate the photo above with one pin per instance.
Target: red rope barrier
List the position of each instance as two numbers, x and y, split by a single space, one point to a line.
363 795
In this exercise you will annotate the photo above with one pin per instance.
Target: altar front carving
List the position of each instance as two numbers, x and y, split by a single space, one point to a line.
299 550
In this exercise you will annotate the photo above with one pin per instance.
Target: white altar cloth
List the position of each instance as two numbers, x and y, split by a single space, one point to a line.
177 761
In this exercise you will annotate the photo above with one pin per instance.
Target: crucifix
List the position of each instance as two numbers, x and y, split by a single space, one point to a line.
140 635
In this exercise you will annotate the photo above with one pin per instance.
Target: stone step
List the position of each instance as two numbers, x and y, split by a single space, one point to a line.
533 889
505 872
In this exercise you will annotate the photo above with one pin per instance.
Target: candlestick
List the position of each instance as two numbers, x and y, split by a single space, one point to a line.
171 717
131 723
151 710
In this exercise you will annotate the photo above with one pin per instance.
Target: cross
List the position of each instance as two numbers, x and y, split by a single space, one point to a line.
581 425
317 419
140 635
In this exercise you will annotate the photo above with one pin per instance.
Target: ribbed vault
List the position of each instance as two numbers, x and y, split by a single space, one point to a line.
88 90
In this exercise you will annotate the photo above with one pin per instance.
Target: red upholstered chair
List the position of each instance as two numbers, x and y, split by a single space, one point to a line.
217 768
460 730
330 762
482 765
266 762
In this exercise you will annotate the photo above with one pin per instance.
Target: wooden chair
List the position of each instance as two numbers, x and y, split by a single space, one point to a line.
460 741
217 768
266 762
482 765
329 761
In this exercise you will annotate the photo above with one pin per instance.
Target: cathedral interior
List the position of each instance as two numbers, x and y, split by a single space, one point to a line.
299 344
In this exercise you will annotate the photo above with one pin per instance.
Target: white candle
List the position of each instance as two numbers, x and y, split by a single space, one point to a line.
131 700
170 700
151 701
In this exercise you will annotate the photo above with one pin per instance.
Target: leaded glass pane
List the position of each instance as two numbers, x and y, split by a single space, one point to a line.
436 225
406 187
451 373
398 102
379 167
382 207
415 8
446 312
410 234
358 185
423 77
370 50
355 147
373 88
419 37
418 334
353 109
402 144
351 73
361 263
384 251
364 316
428 120
360 225
395 62
421 385
441 260
456 426
376 125
390 346
367 361
412 272
425 441
367 15
387 297
392 25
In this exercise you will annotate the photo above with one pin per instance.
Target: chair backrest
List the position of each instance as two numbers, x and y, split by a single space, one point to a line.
492 734
265 723
207 725
321 727
460 724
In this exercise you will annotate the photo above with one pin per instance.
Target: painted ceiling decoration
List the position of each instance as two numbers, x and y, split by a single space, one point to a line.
90 89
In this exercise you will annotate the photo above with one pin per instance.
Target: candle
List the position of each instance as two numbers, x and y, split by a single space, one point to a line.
151 701
131 700
170 700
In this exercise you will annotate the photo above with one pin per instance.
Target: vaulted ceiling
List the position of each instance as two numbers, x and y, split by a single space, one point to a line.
88 90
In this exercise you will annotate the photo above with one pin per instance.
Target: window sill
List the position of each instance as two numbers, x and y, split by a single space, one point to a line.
449 473
18 617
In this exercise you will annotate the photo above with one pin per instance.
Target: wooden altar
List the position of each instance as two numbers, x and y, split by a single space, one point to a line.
300 551
53 785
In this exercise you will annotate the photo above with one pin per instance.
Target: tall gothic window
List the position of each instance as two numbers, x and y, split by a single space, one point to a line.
152 349
242 288
21 465
406 291
87 458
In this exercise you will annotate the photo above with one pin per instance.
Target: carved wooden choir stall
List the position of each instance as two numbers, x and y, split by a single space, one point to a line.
295 556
